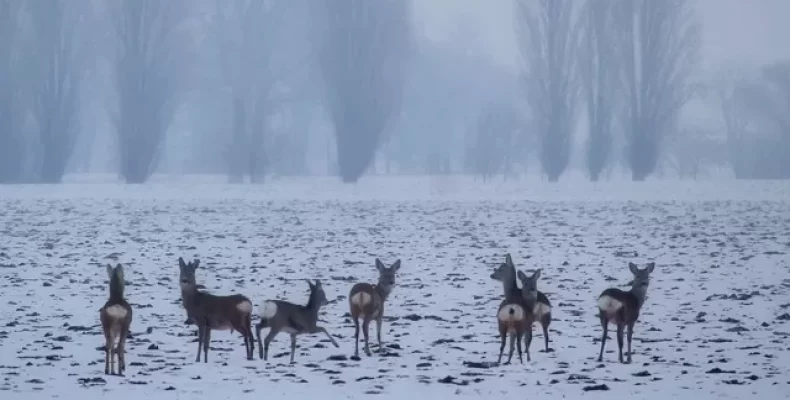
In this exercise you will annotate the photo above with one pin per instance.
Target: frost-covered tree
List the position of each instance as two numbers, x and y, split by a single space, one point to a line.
253 42
155 47
659 45
757 117
11 140
546 31
599 72
363 49
62 62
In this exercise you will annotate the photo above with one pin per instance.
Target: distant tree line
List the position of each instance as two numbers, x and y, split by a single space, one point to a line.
253 88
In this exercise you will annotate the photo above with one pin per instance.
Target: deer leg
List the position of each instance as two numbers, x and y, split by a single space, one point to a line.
201 329
528 341
630 333
605 326
365 328
502 340
249 338
258 328
512 347
518 345
243 328
107 352
378 331
620 341
122 351
293 346
544 323
331 339
207 338
272 333
356 337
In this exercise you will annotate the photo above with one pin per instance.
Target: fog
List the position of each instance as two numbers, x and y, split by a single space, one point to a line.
259 90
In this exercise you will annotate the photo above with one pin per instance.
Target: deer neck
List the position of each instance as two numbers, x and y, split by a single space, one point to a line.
383 291
188 294
640 292
531 299
313 305
116 289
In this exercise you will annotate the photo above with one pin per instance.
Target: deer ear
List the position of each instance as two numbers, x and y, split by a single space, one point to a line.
380 265
650 267
521 276
634 269
509 260
309 283
396 265
110 271
536 274
181 264
195 264
317 283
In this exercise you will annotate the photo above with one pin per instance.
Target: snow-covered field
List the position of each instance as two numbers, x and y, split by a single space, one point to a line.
716 324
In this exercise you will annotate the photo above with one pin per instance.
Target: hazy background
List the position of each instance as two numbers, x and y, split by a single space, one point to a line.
748 32
258 90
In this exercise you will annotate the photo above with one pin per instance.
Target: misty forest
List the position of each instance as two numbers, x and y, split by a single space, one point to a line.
256 89
359 199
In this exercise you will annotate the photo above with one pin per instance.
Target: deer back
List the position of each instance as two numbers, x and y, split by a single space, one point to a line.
365 299
218 312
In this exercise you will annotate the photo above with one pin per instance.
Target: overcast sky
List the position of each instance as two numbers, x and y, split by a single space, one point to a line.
740 31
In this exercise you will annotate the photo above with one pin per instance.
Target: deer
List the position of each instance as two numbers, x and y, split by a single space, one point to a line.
537 300
115 317
283 316
539 303
622 308
514 317
367 301
211 312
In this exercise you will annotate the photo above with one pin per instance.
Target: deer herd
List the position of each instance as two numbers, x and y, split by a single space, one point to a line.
516 314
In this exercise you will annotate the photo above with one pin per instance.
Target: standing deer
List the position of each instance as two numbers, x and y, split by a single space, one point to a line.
115 317
538 303
622 307
367 301
209 311
282 316
513 316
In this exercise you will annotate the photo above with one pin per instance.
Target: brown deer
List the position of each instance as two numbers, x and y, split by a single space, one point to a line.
513 316
115 317
210 312
283 316
538 303
366 301
622 307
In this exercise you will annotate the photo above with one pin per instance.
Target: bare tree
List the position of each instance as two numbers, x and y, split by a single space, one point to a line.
494 147
363 52
658 50
547 37
758 112
11 141
154 44
61 54
599 72
250 36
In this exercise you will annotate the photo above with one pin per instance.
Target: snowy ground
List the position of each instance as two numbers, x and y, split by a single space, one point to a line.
716 324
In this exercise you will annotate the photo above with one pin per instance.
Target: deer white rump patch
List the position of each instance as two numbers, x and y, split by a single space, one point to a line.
244 306
360 299
116 312
511 312
540 310
609 305
268 309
